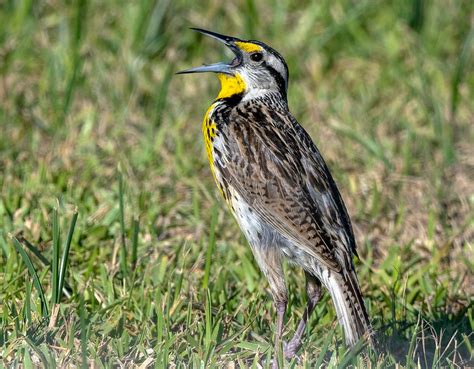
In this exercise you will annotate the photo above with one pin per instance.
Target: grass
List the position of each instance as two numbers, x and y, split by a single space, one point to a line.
115 248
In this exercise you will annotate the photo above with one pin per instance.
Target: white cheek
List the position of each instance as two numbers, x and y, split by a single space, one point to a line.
254 85
248 78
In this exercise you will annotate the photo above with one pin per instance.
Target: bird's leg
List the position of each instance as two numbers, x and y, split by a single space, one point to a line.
280 310
313 291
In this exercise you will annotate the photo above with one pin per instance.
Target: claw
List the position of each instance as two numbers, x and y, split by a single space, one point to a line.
290 349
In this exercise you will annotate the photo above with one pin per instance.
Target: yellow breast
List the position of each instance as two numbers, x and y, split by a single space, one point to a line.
230 85
209 131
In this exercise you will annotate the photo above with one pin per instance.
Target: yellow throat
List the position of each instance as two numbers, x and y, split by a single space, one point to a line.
230 85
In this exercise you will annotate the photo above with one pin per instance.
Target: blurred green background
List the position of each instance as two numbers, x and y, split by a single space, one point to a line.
94 124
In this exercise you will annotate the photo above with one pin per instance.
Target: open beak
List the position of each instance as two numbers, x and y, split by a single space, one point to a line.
218 67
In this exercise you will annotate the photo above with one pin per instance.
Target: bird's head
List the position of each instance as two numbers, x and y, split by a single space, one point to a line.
255 71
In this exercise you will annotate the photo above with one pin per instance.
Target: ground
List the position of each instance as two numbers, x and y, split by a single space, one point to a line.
94 122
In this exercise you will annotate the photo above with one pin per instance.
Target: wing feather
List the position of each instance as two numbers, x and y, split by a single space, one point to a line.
273 164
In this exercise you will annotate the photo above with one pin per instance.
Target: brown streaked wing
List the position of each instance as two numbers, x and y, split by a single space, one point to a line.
321 185
264 162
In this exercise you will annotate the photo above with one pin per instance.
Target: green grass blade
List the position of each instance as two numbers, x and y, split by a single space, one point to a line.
38 352
83 334
417 18
55 259
463 59
136 231
65 257
27 306
210 248
162 98
324 349
79 20
66 290
369 143
34 250
123 252
34 275
208 321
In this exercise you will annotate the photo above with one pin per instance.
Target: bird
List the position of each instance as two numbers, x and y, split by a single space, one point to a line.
279 188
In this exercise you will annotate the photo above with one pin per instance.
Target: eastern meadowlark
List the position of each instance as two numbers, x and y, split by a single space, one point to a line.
279 188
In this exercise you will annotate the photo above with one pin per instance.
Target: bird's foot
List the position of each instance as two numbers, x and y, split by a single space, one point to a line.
289 352
290 348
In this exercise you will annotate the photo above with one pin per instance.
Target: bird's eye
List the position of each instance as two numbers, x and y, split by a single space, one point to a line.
256 57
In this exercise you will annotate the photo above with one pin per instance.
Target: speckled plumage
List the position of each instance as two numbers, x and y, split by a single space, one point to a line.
280 189
282 193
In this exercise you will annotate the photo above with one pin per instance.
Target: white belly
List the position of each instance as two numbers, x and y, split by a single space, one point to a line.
248 220
260 235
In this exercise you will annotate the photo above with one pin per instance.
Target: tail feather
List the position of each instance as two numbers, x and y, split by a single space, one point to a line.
350 307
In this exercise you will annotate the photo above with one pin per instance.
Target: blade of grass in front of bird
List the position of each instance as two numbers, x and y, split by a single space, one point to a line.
34 275
65 257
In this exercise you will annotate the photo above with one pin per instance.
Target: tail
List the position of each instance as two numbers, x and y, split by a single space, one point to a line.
350 308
